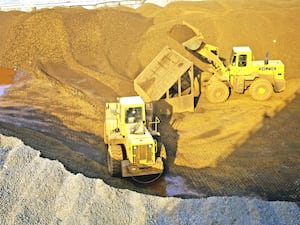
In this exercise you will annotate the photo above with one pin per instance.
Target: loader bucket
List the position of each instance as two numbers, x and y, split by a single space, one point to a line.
187 40
187 35
181 33
193 44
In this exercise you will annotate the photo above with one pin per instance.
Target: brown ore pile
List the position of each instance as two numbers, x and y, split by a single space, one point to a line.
70 61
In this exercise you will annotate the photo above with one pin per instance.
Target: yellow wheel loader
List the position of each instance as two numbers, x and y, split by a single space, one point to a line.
130 135
261 77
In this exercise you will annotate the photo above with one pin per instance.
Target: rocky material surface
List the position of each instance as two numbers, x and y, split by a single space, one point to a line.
35 190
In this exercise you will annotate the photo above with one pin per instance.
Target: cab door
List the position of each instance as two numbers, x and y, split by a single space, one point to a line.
239 68
242 65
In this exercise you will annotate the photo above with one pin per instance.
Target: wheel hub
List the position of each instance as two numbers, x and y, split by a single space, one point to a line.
218 93
261 91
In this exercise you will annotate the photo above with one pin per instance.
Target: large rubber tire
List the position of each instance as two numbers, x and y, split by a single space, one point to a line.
217 92
261 89
114 158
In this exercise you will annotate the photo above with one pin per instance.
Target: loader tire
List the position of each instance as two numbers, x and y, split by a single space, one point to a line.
114 158
261 89
217 92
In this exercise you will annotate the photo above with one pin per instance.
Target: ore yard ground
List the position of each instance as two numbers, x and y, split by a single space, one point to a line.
67 68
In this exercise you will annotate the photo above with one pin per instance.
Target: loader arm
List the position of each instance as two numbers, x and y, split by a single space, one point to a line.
189 42
206 51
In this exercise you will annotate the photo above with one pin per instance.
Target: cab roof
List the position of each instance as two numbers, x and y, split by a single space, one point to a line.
131 100
241 49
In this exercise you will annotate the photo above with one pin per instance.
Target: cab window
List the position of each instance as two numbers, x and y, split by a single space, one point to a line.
233 60
134 115
242 60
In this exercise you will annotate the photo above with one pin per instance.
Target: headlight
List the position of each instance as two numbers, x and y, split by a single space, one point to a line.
134 147
150 146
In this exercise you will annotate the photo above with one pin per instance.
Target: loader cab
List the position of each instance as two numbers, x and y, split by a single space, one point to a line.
241 61
132 110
